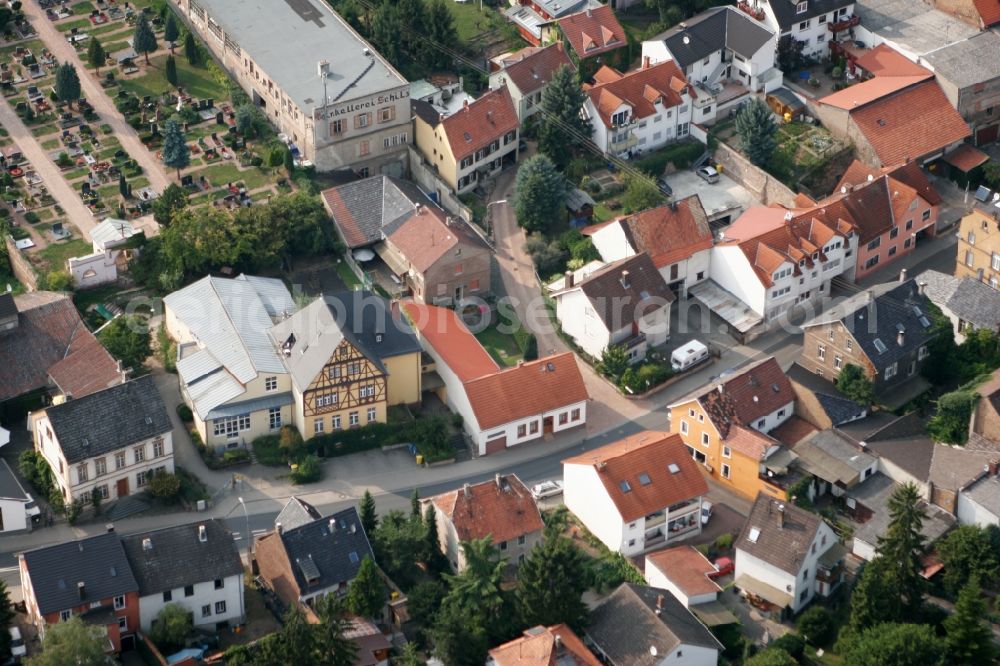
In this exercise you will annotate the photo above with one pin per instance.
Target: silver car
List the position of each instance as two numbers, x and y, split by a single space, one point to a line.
708 174
546 489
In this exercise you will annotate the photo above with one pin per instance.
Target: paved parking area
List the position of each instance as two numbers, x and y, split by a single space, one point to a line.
723 201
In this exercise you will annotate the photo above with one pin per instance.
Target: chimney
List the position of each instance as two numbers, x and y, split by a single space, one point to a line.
901 338
489 116
569 279
930 491
781 516
323 68
559 645
147 544
202 534
921 287
466 490
81 588
110 528
869 296
993 467
902 275
278 528
590 13
499 481
721 389
465 103
624 280
645 62
659 604
333 525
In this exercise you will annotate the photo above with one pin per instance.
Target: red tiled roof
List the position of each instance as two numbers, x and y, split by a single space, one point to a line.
796 239
989 11
686 568
910 174
86 368
866 92
428 236
614 89
593 31
526 390
911 123
670 233
480 123
749 442
755 221
504 510
884 60
341 212
648 453
793 431
966 157
534 70
537 647
444 330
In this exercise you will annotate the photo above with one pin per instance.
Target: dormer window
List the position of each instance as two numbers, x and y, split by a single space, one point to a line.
801 7
619 118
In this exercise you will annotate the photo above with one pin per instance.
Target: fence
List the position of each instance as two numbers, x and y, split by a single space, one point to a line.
763 185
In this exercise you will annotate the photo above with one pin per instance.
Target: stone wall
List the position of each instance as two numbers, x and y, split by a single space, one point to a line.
424 175
761 184
21 267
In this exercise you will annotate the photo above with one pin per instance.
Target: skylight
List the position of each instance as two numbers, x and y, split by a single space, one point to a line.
879 346
674 469
624 485
754 534
925 322
644 479
353 557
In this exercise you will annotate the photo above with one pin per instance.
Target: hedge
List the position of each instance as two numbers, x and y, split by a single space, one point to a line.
682 155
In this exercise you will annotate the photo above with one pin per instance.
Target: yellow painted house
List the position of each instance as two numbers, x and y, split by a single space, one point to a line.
350 357
725 426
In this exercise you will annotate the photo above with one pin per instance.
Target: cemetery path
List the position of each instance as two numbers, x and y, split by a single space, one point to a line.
77 213
64 52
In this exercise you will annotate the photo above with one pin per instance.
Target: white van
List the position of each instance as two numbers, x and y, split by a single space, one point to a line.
690 354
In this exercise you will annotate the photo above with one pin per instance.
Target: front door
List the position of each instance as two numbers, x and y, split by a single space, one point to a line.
547 425
122 487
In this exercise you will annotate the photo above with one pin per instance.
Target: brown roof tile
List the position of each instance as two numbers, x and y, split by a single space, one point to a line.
428 236
884 60
480 123
866 92
538 646
612 88
910 174
535 70
686 568
625 290
779 537
749 442
670 233
796 238
989 11
793 431
593 31
645 456
502 508
966 157
86 368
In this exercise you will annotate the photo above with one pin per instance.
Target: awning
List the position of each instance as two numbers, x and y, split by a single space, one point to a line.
767 592
250 406
713 614
966 157
781 460
395 263
821 464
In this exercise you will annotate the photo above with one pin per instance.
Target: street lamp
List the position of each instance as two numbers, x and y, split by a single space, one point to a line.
247 516
489 215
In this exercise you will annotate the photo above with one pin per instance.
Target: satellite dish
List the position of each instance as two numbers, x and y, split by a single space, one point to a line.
687 40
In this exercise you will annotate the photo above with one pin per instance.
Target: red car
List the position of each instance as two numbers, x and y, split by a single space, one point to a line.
723 566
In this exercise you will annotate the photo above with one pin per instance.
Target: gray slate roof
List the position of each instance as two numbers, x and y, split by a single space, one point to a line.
785 10
717 28
966 298
879 314
98 562
109 420
625 626
968 62
619 302
782 545
10 487
363 208
986 493
176 557
296 513
874 494
839 408
833 457
332 556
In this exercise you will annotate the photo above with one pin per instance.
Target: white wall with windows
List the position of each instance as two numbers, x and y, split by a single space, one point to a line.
628 135
485 161
813 32
209 602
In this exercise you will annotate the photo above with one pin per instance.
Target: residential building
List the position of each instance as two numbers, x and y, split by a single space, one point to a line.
339 102
626 303
818 401
979 248
544 646
196 566
683 571
639 110
724 53
639 493
89 578
373 647
230 374
363 209
500 408
979 500
646 626
815 23
969 75
112 252
502 509
350 356
313 560
536 19
527 73
725 426
676 236
472 144
595 38
884 330
786 555
967 302
46 348
835 462
17 507
111 442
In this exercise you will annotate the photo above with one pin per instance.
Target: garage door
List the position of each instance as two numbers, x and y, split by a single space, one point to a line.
987 135
496 445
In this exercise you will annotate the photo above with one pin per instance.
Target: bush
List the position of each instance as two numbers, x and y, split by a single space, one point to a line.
793 644
308 470
268 451
184 413
816 625
291 444
724 542
165 486
73 511
173 624
166 351
682 155
235 456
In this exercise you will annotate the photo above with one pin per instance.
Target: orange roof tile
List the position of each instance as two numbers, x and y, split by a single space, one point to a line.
669 233
86 368
630 88
755 221
859 173
480 123
911 123
989 11
793 431
444 330
966 157
593 31
884 60
644 464
502 508
538 647
686 568
871 90
749 442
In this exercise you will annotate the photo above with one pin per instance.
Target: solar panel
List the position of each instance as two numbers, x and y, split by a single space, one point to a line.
879 345
982 194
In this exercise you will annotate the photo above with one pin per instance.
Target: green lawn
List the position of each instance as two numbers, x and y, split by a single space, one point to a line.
51 144
82 8
351 280
81 24
56 254
220 174
503 348
467 16
197 81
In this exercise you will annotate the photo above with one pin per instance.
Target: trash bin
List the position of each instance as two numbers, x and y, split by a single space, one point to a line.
420 459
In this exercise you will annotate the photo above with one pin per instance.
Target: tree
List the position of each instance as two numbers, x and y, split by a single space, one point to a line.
423 601
411 15
67 84
58 281
366 593
165 486
410 656
950 423
289 161
96 55
531 348
123 185
400 542
176 153
968 638
291 443
539 202
853 383
771 657
366 509
459 640
477 591
191 51
170 31
756 126
551 582
549 255
991 172
336 649
143 39
902 547
127 339
562 128
640 194
172 626
816 625
893 645
415 503
614 362
387 26
170 71
873 600
966 552
790 54
172 199
72 642
6 617
440 30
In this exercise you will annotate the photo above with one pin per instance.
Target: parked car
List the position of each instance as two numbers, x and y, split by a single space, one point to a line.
708 174
723 566
17 647
546 489
706 511
664 186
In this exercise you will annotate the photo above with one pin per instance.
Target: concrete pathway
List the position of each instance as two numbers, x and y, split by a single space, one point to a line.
77 213
98 98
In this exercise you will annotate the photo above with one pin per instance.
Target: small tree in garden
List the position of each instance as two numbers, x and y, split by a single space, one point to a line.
170 31
170 70
191 51
366 593
165 486
122 185
176 153
67 84
143 39
96 55
540 194
172 626
289 162
853 383
757 128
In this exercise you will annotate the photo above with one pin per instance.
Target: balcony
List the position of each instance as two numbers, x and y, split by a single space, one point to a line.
749 9
683 526
634 341
844 24
628 143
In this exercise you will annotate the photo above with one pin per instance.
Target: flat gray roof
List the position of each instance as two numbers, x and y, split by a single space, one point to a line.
288 38
913 25
968 62
986 493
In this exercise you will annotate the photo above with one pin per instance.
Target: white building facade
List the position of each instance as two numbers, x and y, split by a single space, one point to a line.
807 21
